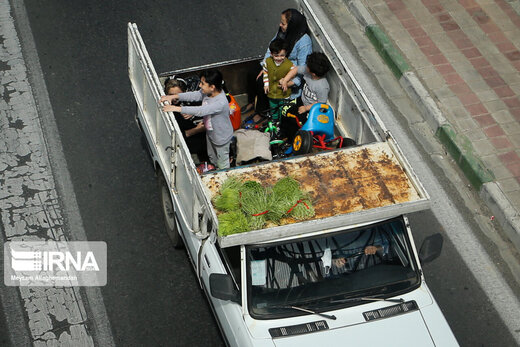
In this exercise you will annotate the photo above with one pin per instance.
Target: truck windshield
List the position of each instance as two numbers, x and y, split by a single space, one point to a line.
318 273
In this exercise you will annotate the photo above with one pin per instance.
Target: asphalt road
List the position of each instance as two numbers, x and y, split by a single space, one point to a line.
4 338
152 296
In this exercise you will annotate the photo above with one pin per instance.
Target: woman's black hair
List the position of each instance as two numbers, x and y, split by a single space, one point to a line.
213 77
296 28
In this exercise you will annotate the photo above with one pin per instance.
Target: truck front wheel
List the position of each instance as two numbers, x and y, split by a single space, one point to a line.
169 214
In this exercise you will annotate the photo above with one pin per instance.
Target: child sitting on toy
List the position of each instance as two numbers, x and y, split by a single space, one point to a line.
315 90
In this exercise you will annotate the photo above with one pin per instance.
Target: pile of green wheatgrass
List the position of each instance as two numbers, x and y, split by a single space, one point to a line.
247 205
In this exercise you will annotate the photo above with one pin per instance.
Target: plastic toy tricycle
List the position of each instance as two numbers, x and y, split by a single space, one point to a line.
318 132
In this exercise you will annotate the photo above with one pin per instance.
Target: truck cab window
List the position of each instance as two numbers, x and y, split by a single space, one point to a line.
317 273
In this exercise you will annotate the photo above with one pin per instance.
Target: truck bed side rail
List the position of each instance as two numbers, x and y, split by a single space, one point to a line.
167 145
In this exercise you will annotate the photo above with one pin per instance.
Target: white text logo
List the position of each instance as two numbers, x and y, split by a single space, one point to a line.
52 263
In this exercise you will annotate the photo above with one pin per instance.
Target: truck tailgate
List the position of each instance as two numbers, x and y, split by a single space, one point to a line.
348 186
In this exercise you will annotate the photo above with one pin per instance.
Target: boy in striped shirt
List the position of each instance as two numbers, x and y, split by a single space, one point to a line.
275 68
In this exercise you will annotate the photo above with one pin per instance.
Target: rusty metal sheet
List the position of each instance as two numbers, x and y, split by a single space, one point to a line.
340 182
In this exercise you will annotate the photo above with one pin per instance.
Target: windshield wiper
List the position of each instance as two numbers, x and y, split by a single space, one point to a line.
366 298
328 316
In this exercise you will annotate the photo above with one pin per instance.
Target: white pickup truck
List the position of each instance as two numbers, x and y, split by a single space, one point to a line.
302 283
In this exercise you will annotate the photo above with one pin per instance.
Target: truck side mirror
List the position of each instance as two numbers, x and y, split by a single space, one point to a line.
222 287
431 248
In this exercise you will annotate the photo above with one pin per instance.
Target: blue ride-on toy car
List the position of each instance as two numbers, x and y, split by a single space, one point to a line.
318 131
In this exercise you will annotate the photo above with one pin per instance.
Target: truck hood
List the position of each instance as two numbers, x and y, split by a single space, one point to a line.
404 330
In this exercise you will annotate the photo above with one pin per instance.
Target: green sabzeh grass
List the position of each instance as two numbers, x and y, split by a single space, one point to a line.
247 205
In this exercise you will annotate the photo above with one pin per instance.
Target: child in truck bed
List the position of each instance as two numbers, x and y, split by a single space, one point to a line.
214 112
276 67
315 90
192 130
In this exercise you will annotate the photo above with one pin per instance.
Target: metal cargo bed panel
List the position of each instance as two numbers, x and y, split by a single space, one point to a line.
347 186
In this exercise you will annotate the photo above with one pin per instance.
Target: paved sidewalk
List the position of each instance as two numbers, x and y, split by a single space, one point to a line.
466 53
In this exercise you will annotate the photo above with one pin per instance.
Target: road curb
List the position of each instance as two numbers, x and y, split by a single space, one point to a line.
397 64
461 150
427 106
505 212
457 145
